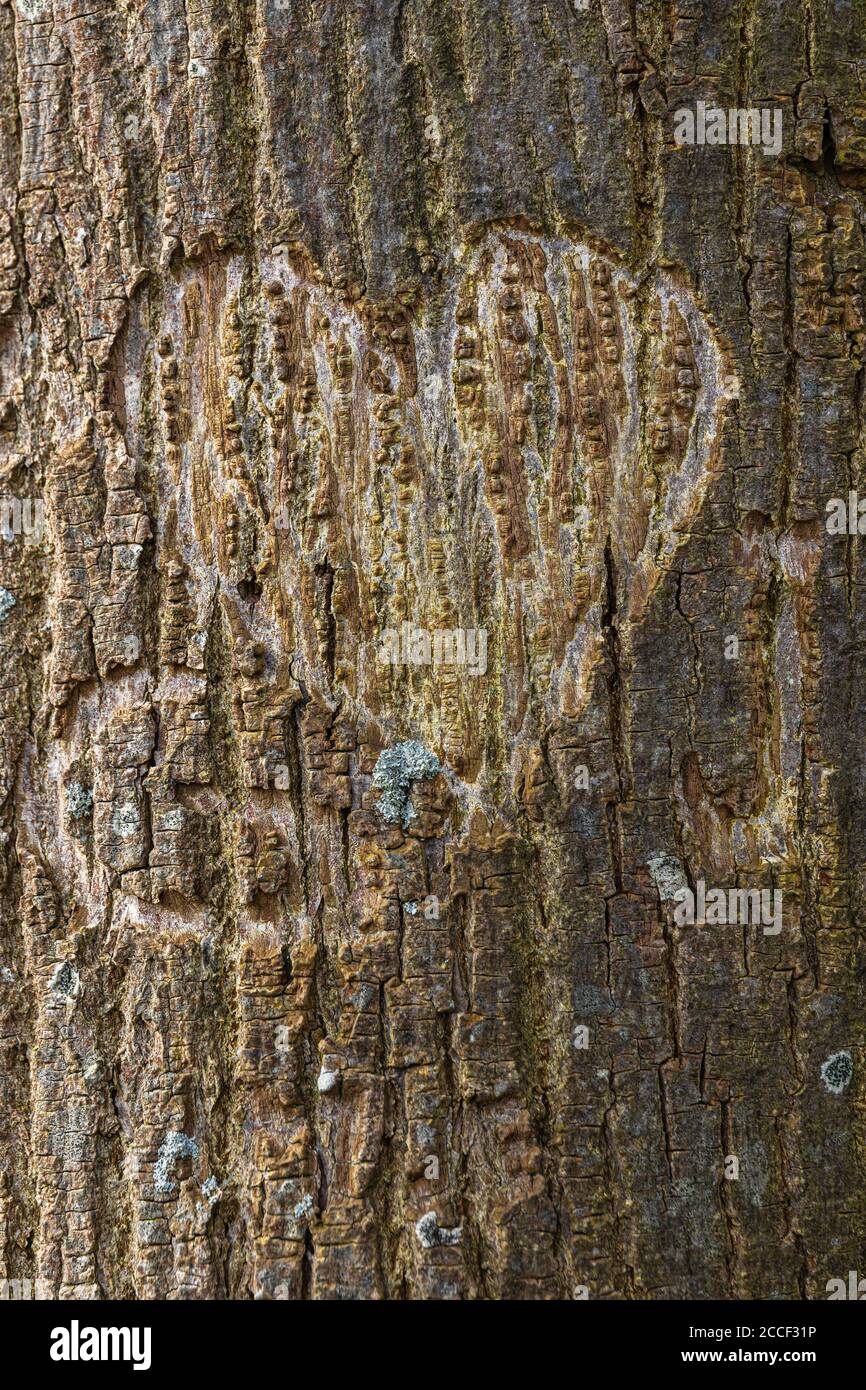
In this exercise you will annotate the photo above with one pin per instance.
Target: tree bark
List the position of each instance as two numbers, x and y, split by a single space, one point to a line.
419 585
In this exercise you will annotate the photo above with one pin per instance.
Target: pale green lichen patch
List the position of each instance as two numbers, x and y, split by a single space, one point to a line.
667 875
174 1147
396 772
211 1190
430 1233
126 821
837 1071
79 801
304 1208
65 980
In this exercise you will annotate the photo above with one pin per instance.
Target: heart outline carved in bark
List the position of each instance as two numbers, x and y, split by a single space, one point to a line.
523 452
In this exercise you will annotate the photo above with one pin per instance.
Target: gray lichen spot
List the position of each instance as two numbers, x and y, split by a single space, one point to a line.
304 1208
173 1147
837 1071
65 980
431 1234
79 801
590 1000
667 874
211 1190
7 603
128 556
327 1079
126 821
396 772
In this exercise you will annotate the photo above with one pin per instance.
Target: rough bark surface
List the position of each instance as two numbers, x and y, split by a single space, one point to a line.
318 319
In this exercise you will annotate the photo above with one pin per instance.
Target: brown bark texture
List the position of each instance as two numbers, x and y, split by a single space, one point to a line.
416 584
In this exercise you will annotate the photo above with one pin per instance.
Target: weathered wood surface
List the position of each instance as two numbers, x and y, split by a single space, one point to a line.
319 319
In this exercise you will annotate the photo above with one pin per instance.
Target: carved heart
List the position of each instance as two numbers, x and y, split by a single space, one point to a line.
543 429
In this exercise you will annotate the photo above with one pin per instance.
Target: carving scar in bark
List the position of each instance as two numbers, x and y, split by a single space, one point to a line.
522 454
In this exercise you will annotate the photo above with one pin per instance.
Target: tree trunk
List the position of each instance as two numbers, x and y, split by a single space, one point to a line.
416 598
